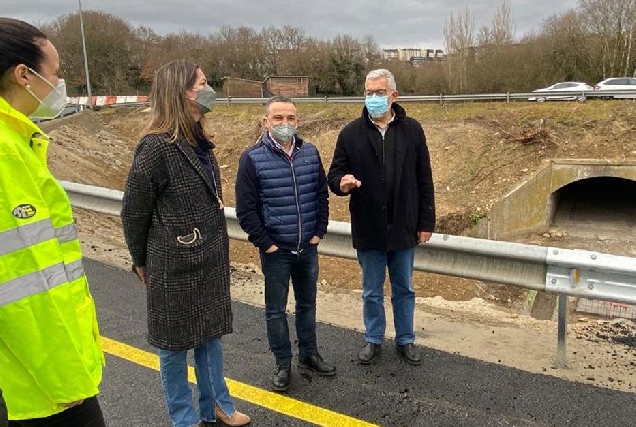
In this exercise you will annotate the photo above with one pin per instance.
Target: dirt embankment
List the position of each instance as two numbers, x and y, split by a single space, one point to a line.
479 152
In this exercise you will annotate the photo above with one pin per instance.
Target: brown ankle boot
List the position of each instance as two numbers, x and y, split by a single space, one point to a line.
237 418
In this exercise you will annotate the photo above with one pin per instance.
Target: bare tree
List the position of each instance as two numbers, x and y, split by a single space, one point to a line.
347 64
613 22
503 27
570 51
496 48
291 50
460 44
371 52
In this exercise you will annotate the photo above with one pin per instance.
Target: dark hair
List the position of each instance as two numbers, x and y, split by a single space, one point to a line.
20 43
278 98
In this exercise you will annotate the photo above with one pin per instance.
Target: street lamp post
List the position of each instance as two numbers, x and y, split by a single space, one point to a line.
88 80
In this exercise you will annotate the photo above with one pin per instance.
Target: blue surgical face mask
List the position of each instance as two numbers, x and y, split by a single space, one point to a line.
377 106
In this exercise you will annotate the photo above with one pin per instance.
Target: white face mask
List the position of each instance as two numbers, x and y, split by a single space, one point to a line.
53 103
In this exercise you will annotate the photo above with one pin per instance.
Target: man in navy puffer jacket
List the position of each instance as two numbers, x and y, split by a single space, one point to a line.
282 204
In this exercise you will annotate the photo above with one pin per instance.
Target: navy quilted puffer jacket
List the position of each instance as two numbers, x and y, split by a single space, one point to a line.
282 200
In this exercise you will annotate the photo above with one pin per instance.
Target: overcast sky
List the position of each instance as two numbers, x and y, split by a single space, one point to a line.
393 23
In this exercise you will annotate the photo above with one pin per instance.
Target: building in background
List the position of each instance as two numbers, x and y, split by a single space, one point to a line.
415 56
391 53
291 86
242 88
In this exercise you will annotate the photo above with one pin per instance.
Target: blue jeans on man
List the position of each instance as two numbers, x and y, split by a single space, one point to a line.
208 368
302 267
374 264
400 265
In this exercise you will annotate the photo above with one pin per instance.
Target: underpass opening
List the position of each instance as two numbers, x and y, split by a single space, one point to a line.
600 207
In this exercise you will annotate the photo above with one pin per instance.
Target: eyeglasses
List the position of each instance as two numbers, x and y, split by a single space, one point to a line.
378 92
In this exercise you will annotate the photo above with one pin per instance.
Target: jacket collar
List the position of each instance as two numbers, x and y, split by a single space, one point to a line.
269 142
18 121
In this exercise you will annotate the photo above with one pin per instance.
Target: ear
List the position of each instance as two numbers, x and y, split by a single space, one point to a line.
191 94
19 75
394 96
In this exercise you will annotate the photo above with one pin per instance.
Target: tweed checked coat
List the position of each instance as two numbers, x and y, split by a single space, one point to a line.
175 227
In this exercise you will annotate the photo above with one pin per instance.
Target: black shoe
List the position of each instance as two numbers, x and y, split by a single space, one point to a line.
409 353
369 353
207 423
317 365
281 378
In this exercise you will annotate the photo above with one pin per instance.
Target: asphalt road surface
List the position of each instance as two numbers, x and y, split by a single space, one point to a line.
446 390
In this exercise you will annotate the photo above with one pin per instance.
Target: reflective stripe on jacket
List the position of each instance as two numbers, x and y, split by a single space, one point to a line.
49 341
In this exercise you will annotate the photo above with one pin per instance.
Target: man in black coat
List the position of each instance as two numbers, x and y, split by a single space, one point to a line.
381 160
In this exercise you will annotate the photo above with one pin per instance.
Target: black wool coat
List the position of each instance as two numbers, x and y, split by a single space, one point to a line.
360 151
175 228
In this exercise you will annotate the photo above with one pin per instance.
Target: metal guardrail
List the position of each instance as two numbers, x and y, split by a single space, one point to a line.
444 98
567 272
441 98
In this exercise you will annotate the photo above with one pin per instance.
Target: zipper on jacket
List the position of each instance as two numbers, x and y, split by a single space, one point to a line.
300 225
290 159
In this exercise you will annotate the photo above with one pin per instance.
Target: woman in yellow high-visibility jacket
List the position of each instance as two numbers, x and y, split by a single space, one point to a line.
50 357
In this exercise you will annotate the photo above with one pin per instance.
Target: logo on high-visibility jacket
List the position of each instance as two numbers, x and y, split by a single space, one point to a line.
24 211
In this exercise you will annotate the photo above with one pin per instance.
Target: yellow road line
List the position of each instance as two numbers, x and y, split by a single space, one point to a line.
267 399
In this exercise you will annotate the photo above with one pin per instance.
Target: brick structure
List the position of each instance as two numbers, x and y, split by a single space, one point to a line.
242 88
291 86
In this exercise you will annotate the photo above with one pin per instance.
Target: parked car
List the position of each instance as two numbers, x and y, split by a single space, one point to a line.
618 83
564 91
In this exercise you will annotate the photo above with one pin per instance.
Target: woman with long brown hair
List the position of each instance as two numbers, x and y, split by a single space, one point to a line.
176 232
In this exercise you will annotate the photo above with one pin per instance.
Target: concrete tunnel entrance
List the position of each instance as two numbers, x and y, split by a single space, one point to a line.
588 199
602 207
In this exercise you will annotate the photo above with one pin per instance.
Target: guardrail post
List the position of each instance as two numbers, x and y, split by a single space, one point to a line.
325 99
507 96
561 362
229 100
441 99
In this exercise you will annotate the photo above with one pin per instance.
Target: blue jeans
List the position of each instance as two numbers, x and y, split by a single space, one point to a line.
208 367
400 264
278 267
